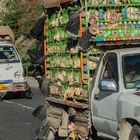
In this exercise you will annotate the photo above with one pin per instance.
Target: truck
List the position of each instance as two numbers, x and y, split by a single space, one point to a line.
11 72
94 92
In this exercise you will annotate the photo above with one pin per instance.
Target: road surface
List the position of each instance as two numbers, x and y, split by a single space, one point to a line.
16 119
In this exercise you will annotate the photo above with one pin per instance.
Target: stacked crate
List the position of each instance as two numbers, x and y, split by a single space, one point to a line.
63 68
109 21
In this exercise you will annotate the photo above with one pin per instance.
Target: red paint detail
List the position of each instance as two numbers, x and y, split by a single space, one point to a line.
14 90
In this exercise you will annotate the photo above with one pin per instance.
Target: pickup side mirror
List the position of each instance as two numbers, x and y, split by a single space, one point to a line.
108 85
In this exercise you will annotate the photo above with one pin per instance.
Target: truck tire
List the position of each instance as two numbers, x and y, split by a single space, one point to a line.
45 87
25 94
135 133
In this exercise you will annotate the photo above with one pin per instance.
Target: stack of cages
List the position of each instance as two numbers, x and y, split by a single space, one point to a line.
63 67
110 22
114 22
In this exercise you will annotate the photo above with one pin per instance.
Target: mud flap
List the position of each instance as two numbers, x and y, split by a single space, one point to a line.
40 112
45 87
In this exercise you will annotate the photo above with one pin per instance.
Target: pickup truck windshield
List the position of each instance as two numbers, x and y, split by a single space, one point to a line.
131 67
8 54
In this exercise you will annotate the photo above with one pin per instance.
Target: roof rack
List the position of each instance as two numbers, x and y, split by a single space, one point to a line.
6 33
54 3
6 39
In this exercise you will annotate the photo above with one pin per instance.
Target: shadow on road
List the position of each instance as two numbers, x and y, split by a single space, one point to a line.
17 95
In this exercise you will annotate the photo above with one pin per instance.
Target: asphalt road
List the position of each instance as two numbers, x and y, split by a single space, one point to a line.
16 119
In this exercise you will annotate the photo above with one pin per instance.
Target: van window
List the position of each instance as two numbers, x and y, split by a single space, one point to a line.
131 71
110 70
8 54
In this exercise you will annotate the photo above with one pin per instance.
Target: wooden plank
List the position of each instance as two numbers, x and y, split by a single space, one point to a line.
67 103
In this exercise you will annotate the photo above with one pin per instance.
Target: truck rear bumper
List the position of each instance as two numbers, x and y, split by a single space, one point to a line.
67 103
14 87
20 87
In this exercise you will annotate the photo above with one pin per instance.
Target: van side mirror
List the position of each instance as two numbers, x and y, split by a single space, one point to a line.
108 85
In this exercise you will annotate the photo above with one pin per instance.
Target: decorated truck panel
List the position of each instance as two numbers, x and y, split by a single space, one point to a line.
109 23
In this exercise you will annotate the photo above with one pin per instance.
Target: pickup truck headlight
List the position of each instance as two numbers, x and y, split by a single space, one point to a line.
17 74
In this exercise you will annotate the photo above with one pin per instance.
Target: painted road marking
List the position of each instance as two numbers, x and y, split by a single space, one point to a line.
21 105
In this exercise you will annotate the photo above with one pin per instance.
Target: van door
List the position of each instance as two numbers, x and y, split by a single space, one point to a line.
104 104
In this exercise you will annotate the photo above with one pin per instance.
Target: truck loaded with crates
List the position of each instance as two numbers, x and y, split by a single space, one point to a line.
91 65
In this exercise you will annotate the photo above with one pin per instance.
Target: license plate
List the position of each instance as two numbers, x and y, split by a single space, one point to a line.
4 87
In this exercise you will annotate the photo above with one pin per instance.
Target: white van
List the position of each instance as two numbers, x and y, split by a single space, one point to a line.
11 71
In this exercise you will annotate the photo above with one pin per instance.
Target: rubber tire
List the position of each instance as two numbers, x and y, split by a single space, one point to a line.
28 95
24 95
135 132
45 90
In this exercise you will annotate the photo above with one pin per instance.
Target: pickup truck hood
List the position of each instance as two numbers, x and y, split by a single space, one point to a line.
8 70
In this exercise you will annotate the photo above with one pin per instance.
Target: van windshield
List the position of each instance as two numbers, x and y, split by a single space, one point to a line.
8 54
131 67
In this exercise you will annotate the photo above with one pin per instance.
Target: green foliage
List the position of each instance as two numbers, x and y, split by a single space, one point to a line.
20 15
30 14
30 68
11 14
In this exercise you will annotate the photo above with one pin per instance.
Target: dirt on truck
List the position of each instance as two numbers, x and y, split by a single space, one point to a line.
85 51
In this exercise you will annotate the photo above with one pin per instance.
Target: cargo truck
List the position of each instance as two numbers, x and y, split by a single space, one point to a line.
94 91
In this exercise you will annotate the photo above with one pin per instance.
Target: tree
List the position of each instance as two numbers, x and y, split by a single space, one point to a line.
20 15
11 14
30 14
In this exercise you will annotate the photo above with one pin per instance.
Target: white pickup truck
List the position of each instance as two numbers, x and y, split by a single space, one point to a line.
11 69
114 103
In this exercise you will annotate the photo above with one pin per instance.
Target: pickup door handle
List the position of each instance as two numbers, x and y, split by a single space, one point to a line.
96 97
